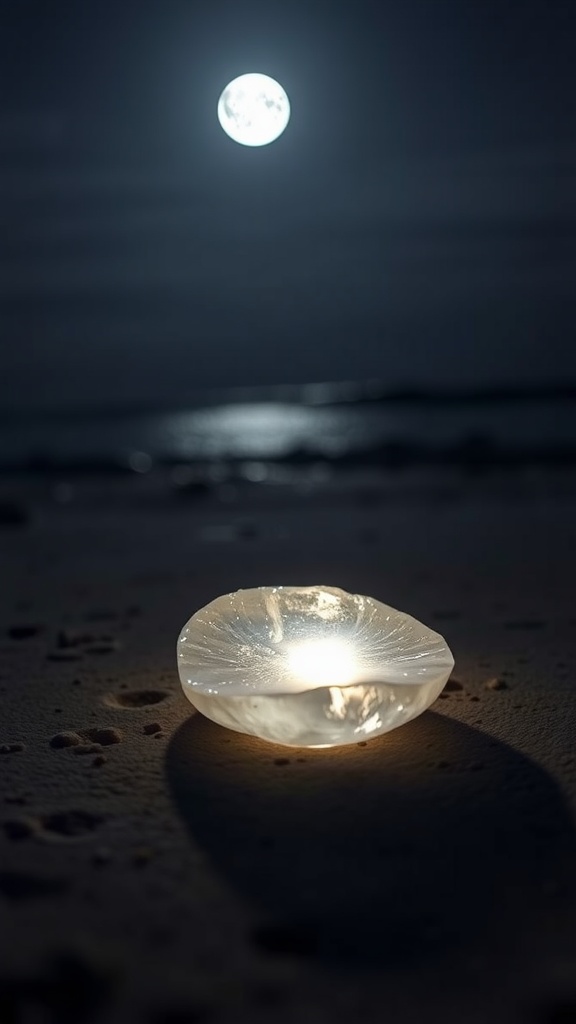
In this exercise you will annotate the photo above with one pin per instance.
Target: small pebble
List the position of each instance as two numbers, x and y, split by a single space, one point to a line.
495 684
99 760
281 760
12 748
65 739
152 728
105 737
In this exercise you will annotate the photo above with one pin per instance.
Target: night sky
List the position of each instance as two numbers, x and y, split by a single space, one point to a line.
415 223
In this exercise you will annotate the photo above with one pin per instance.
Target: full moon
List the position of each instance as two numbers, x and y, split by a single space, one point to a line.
253 110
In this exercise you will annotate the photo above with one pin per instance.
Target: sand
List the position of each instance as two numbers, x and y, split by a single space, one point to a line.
156 868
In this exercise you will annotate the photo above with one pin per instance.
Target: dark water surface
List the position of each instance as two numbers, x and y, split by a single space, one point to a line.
336 422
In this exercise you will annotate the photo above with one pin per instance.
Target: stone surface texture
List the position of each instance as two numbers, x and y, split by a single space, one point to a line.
309 666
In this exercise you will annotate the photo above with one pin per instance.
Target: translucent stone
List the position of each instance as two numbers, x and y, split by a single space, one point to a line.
309 666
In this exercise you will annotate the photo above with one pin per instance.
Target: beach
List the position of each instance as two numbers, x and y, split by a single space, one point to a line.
158 868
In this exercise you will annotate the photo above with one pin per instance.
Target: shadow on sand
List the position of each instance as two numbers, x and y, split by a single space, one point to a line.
431 839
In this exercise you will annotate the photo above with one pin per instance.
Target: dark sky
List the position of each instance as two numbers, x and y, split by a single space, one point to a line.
416 222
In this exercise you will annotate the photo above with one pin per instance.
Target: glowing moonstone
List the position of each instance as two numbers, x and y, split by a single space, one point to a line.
309 666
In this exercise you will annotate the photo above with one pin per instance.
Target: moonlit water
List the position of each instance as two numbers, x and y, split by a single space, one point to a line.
264 427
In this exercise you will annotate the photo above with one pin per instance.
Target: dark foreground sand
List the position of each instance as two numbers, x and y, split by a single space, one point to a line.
155 868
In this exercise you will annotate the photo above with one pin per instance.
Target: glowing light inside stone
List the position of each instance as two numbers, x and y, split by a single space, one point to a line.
323 662
309 666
